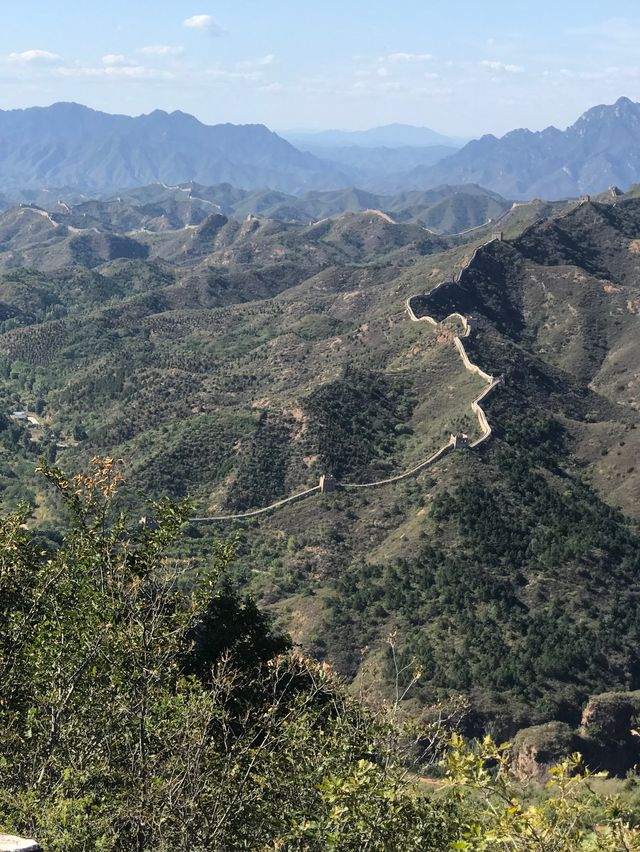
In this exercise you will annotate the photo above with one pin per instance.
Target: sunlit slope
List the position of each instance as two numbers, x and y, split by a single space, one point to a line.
235 406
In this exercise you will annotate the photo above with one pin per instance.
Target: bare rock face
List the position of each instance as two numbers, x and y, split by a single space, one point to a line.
537 749
11 843
527 765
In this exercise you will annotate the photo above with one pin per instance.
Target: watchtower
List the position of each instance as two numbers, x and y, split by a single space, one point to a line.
327 483
459 442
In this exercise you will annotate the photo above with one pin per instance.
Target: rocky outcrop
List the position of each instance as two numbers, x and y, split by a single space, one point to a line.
537 749
609 731
608 739
610 716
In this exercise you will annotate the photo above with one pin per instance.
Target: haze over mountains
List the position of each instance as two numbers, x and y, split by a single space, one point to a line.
378 152
71 147
387 136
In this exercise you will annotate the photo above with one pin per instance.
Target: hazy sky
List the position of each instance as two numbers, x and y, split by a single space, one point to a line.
465 67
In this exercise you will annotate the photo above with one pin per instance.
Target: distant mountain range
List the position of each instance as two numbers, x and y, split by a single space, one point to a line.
380 152
387 136
601 149
366 166
83 151
68 145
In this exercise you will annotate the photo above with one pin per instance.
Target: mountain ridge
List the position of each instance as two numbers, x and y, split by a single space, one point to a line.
92 152
599 149
159 207
67 144
393 135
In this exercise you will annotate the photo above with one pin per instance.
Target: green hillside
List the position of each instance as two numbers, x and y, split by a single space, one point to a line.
234 362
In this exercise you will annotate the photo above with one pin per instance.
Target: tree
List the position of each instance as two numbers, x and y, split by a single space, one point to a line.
124 718
137 715
78 432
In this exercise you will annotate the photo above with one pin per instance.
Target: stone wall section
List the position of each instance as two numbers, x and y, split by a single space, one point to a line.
255 512
473 368
453 442
407 473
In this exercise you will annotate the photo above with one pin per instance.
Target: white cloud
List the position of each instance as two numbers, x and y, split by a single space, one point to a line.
204 23
115 72
137 72
225 74
383 72
505 68
612 72
34 57
409 57
161 50
262 62
115 59
272 88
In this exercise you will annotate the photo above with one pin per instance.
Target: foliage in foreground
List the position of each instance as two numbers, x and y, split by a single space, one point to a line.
571 816
130 720
137 715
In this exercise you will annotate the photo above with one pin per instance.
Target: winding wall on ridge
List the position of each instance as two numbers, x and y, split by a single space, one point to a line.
485 426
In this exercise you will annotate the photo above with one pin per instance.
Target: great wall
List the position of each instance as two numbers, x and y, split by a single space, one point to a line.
327 482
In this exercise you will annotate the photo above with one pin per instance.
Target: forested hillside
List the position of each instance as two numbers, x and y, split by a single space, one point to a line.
234 362
137 712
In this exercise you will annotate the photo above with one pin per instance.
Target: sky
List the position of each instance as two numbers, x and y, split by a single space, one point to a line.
463 68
